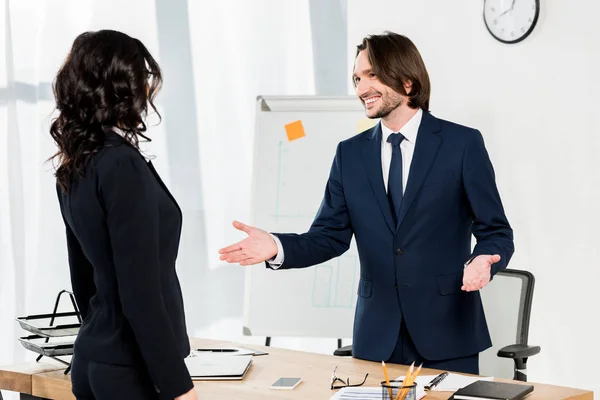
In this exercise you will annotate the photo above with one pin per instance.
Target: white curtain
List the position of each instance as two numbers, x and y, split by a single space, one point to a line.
216 57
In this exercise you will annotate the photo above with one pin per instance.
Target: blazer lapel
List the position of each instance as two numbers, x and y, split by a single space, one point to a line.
372 161
114 138
426 147
164 187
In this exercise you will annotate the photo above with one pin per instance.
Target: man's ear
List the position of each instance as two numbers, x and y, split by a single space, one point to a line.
408 86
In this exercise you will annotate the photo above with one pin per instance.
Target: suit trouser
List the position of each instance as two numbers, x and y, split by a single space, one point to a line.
406 353
92 380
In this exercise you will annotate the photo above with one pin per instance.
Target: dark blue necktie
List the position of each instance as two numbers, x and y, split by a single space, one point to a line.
395 192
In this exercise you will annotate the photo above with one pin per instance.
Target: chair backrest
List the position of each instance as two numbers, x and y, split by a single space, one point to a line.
507 303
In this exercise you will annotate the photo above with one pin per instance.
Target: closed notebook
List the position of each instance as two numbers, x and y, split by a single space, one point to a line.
212 366
481 390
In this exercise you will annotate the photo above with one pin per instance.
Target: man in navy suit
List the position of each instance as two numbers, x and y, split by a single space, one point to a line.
412 190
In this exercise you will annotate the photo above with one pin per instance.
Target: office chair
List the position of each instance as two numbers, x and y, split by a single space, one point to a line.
507 304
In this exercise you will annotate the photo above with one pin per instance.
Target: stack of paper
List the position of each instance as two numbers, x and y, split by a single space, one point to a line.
450 383
367 393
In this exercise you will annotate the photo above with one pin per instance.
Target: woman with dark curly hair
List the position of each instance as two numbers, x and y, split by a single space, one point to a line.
122 225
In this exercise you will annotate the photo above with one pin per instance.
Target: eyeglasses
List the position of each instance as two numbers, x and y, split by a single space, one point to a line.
343 383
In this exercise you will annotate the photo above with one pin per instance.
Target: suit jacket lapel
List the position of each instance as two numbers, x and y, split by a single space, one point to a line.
163 186
426 148
372 161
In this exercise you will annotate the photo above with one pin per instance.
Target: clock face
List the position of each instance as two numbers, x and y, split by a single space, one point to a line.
510 21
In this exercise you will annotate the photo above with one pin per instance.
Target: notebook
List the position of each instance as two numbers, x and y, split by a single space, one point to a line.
218 367
485 390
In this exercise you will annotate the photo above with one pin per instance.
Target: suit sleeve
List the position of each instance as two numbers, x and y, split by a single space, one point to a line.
490 226
132 219
82 273
330 233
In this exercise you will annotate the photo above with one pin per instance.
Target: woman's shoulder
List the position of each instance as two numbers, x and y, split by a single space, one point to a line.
117 153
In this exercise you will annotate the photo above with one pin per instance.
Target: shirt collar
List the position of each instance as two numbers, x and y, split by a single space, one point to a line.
121 133
409 130
118 131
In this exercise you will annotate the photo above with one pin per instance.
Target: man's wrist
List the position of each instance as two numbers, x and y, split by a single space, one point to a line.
466 264
277 259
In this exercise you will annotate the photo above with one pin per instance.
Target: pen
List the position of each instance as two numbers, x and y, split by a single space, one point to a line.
436 381
219 350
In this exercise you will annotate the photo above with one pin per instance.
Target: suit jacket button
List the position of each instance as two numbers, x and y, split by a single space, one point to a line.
399 251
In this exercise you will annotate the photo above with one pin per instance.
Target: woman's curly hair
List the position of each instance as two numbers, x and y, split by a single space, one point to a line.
108 80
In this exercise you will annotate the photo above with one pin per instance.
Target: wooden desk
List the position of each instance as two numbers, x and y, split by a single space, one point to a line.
46 379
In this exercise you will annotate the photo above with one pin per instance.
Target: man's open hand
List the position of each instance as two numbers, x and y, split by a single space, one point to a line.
477 274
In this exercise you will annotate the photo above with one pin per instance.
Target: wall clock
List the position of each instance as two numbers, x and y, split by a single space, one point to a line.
510 21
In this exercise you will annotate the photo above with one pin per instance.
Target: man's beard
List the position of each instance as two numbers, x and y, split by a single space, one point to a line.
387 107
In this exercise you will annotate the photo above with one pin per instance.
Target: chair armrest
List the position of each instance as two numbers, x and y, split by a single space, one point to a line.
344 351
518 351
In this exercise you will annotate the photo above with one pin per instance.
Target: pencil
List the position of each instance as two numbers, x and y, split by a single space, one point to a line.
414 376
401 393
387 379
409 379
408 376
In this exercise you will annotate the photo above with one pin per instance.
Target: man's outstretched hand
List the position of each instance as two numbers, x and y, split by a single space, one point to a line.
259 246
477 274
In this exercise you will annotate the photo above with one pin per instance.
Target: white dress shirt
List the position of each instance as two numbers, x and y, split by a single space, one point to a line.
118 131
409 131
407 147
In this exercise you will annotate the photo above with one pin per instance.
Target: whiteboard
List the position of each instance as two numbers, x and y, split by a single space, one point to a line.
289 179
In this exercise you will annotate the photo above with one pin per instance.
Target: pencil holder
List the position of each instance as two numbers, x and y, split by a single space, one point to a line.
409 391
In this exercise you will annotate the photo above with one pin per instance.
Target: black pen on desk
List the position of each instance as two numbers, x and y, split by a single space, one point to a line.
436 381
219 350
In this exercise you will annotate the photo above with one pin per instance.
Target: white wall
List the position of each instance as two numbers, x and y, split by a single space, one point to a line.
536 104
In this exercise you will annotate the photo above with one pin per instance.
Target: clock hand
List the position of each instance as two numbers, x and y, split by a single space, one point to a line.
510 9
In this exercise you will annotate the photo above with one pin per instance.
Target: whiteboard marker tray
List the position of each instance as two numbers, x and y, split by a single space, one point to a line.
64 324
54 347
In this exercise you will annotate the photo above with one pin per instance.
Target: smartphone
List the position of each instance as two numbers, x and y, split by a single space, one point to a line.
286 383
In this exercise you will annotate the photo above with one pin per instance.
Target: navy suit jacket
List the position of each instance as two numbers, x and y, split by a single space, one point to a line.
414 269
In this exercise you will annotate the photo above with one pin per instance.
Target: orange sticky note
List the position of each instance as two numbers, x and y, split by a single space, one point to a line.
365 124
294 130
